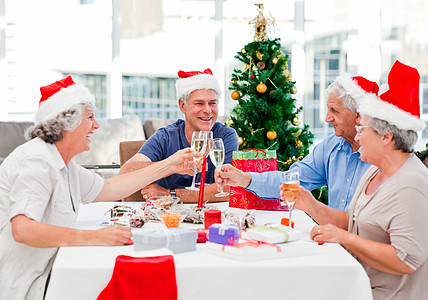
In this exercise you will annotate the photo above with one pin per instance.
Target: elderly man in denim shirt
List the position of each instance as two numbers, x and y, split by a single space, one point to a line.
334 162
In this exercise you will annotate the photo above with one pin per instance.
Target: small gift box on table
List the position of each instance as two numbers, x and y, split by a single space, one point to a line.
175 239
273 234
253 160
225 234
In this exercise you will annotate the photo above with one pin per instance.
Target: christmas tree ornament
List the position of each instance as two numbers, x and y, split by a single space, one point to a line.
293 90
240 140
274 60
259 55
262 24
229 122
247 66
261 65
261 88
243 51
252 76
296 121
271 135
287 74
235 95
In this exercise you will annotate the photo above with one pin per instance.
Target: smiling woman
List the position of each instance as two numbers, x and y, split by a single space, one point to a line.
41 188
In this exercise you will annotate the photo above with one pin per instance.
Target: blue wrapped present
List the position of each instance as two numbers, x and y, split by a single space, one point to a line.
175 239
225 234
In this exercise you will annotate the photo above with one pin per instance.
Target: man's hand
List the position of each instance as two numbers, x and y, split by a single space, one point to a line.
154 190
229 175
114 235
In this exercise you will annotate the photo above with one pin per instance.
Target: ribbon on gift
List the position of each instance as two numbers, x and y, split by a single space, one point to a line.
223 227
254 149
251 243
164 231
279 228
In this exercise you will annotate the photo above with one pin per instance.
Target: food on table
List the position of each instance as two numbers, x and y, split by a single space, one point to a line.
164 202
171 220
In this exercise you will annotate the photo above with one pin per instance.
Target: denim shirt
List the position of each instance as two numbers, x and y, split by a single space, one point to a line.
331 163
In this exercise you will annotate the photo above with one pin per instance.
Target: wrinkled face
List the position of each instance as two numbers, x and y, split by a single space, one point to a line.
369 141
82 134
342 119
201 110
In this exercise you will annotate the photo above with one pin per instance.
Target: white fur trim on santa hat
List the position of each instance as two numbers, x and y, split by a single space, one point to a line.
352 88
62 101
372 106
187 85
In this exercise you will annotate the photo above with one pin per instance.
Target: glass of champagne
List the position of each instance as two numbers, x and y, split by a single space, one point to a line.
290 188
201 147
217 158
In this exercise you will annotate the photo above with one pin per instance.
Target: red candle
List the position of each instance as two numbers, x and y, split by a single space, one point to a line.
212 216
201 187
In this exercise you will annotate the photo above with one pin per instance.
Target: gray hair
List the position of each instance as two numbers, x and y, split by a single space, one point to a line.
185 97
51 130
347 100
405 140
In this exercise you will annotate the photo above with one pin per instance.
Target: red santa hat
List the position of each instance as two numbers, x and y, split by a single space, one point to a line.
398 104
59 97
196 80
357 86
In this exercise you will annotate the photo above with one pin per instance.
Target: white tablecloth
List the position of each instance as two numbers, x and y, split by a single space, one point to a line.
332 273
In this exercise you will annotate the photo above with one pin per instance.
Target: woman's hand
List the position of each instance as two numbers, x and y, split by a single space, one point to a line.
114 235
328 233
182 161
304 201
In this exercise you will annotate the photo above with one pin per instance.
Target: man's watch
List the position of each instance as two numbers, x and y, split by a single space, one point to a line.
172 193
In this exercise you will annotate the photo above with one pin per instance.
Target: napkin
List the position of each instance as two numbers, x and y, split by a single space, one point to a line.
143 278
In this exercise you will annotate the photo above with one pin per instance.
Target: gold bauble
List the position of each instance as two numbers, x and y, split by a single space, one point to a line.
235 95
259 55
247 67
296 121
271 135
243 51
287 74
294 90
229 122
274 60
261 88
240 140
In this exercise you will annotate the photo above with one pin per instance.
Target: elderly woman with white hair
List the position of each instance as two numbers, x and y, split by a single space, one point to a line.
385 226
41 188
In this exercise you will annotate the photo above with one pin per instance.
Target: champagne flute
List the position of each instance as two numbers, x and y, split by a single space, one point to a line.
199 145
209 137
217 158
290 188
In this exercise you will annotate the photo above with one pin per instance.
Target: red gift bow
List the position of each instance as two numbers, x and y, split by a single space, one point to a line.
253 149
251 243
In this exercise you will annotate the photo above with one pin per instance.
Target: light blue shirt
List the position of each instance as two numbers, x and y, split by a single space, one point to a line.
331 163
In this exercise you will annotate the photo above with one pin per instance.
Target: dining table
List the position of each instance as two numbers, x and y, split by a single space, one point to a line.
327 271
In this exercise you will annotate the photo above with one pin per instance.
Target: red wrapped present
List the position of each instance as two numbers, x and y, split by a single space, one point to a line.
254 160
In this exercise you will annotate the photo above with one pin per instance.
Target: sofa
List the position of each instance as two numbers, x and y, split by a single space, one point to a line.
103 157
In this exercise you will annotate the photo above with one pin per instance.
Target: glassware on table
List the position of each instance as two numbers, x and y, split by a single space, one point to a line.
217 158
201 147
290 187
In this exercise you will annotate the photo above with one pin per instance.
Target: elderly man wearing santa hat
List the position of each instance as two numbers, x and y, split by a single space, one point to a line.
385 226
334 162
41 188
198 95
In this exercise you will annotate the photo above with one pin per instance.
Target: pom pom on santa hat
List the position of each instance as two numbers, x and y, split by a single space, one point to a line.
398 102
196 80
59 97
357 86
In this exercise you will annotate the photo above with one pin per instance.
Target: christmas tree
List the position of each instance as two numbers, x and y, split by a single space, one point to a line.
266 116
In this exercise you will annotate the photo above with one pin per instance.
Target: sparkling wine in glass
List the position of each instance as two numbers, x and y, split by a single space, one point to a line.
200 146
290 188
217 158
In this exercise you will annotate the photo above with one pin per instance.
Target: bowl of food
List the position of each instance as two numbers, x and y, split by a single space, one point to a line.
171 219
164 202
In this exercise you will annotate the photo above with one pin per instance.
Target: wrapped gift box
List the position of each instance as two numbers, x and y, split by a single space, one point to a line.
223 233
254 160
244 250
175 239
273 234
